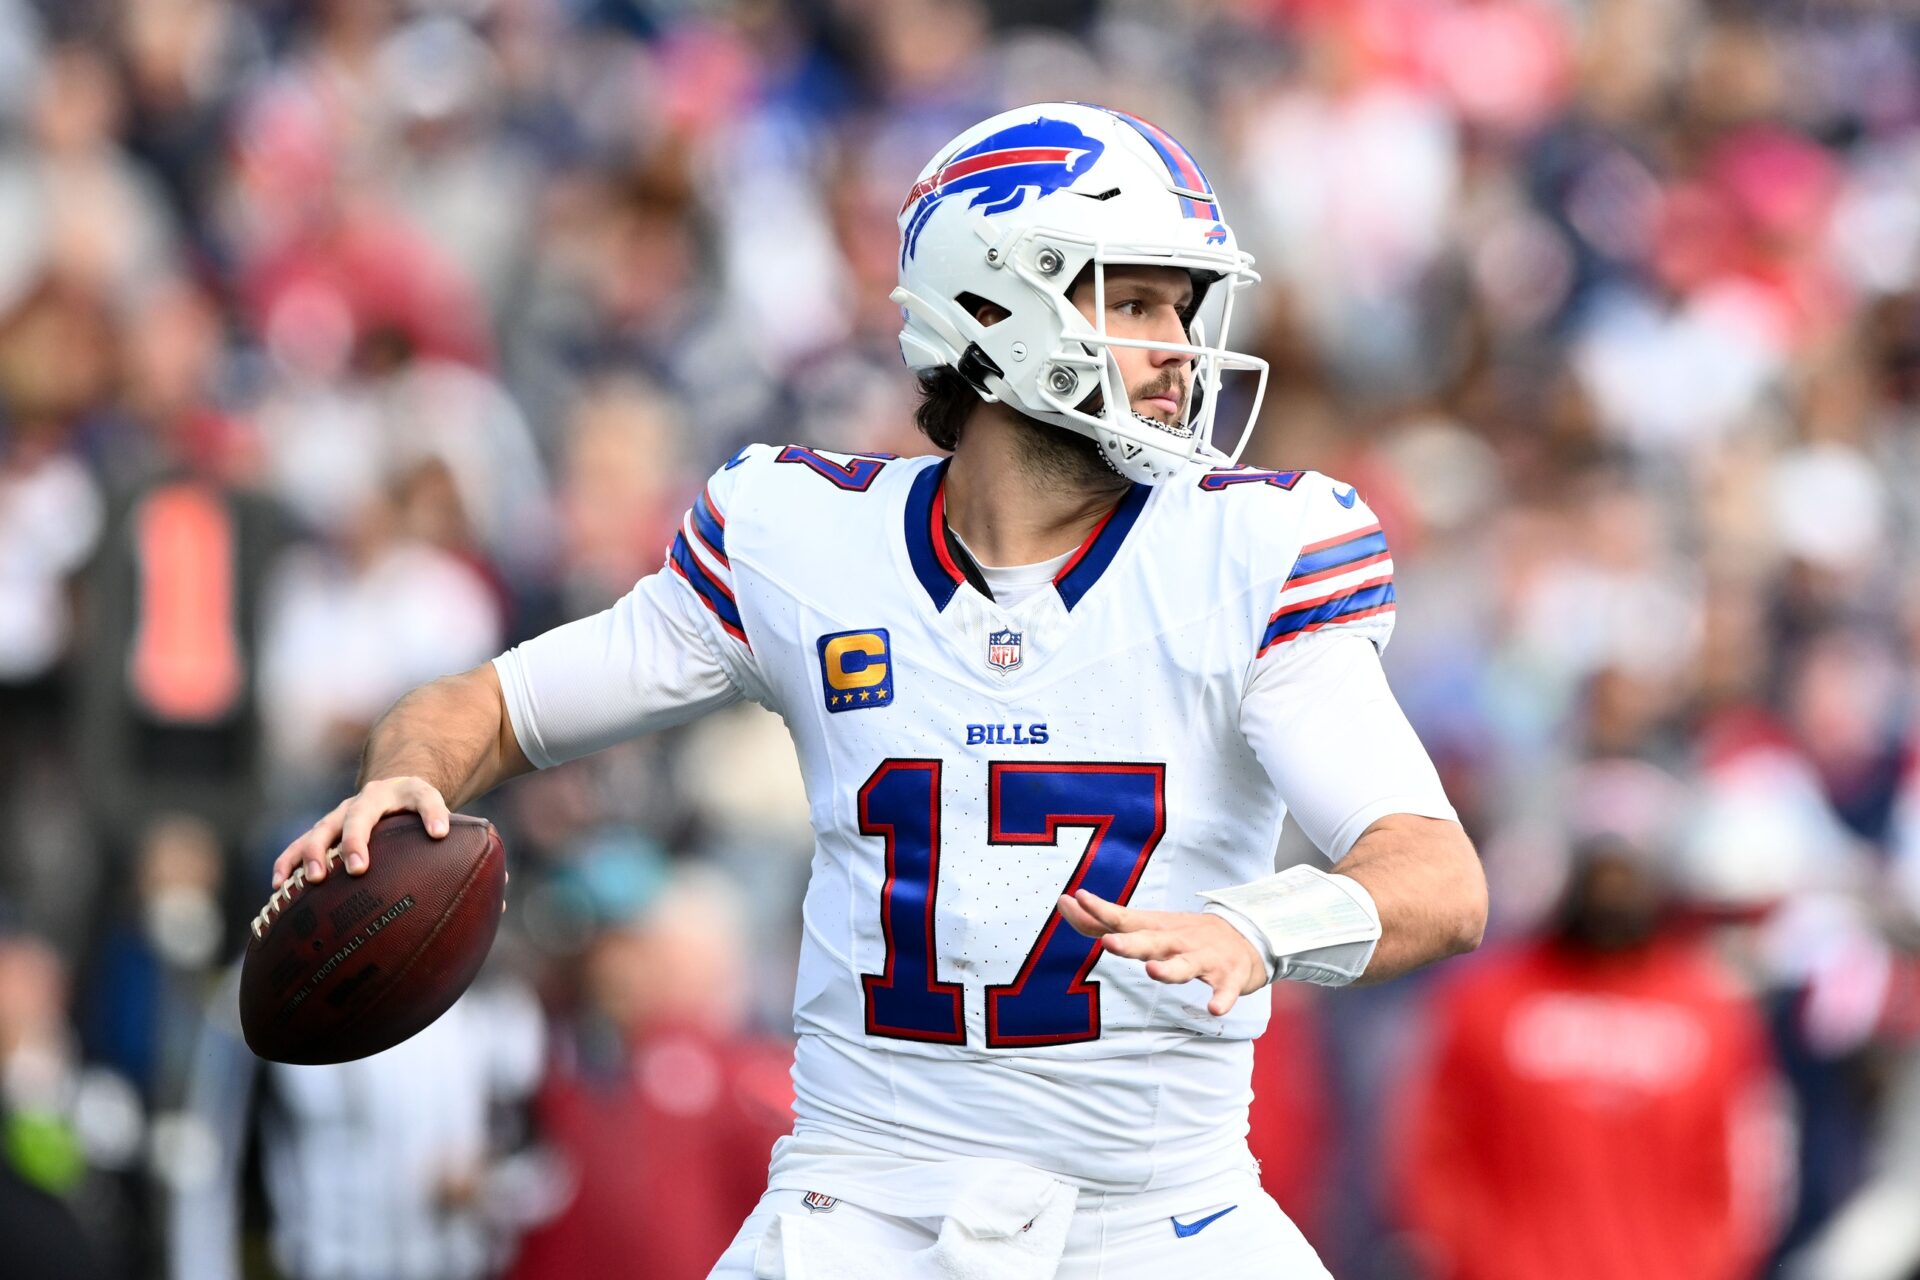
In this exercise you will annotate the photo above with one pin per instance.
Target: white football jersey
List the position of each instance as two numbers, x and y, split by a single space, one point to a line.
1130 730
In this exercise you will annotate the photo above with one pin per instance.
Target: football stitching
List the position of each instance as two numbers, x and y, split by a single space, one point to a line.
283 897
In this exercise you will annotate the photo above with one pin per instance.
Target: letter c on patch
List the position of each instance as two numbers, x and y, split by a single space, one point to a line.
856 661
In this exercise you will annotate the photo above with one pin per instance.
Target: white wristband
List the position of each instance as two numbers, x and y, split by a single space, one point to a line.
1315 927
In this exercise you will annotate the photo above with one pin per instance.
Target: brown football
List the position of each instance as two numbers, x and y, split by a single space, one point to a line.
355 964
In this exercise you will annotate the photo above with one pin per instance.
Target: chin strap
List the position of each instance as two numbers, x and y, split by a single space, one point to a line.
976 366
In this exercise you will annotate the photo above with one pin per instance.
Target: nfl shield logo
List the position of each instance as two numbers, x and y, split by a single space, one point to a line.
1003 650
818 1202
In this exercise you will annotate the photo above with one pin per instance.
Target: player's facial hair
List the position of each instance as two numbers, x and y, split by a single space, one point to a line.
1056 458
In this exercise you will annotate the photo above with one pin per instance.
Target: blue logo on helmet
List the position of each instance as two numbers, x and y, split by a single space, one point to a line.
1040 156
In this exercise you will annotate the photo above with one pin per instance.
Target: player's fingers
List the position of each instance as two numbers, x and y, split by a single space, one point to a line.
310 848
1110 914
427 801
1144 944
289 861
357 828
1174 969
1226 993
1076 915
288 858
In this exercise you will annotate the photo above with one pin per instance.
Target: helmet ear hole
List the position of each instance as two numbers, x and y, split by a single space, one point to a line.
984 310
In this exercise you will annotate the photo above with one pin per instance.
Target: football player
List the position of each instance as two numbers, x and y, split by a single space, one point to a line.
1053 696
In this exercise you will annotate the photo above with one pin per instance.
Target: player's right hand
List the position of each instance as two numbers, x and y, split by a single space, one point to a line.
351 822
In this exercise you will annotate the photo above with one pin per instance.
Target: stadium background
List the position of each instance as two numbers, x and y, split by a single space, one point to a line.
344 342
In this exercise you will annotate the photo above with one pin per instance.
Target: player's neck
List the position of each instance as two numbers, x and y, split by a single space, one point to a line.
1019 492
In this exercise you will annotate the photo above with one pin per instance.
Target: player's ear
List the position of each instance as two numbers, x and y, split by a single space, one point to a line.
988 312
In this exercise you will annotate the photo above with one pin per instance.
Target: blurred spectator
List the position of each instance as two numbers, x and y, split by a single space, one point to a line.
662 1109
44 1241
1599 1101
353 626
154 966
55 349
1874 1234
388 1168
60 1123
173 651
74 207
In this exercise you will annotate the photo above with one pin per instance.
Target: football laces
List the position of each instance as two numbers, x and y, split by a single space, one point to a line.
285 894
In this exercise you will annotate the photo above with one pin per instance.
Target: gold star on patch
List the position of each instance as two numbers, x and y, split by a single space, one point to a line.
863 695
880 694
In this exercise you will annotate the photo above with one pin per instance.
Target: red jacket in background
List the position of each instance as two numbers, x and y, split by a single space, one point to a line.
1593 1117
666 1161
1290 1124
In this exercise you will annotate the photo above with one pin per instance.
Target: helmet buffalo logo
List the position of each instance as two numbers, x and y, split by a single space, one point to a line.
1039 155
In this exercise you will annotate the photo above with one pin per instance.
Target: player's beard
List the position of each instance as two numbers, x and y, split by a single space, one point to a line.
1051 455
1057 458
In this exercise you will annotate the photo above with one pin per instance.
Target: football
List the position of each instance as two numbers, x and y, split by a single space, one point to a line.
355 964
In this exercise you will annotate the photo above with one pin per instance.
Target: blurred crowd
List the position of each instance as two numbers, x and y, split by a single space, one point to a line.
345 342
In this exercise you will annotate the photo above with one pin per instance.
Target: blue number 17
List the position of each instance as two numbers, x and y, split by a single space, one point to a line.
1050 1000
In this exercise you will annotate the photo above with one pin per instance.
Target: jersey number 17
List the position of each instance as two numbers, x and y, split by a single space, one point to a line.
1051 1000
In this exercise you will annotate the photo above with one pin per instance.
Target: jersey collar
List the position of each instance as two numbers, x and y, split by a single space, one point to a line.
932 551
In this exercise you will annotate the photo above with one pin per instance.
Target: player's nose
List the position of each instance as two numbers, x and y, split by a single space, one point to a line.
1170 356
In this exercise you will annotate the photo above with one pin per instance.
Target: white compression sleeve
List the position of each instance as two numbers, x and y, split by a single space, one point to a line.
645 663
1323 722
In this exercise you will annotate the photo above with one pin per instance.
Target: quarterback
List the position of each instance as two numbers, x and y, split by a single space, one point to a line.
1053 695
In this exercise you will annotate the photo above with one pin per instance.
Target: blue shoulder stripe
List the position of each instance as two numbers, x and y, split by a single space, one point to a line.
1361 546
711 591
712 530
1348 606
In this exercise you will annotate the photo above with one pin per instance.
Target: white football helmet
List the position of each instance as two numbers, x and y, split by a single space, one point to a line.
1011 212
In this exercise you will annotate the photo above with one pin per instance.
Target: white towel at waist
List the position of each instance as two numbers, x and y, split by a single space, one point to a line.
998 1219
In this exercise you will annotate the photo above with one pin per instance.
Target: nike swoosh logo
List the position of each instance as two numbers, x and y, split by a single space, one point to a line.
1345 499
1185 1229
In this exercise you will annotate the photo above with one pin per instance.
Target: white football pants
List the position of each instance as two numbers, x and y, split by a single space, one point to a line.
1223 1227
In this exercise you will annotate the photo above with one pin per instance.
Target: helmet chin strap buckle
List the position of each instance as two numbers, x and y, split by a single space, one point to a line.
976 366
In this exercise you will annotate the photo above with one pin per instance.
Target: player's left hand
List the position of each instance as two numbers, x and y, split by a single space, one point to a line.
1177 946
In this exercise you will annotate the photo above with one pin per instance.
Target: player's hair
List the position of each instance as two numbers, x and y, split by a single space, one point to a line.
946 401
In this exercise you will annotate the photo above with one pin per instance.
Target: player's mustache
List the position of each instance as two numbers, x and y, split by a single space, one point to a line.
1168 384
